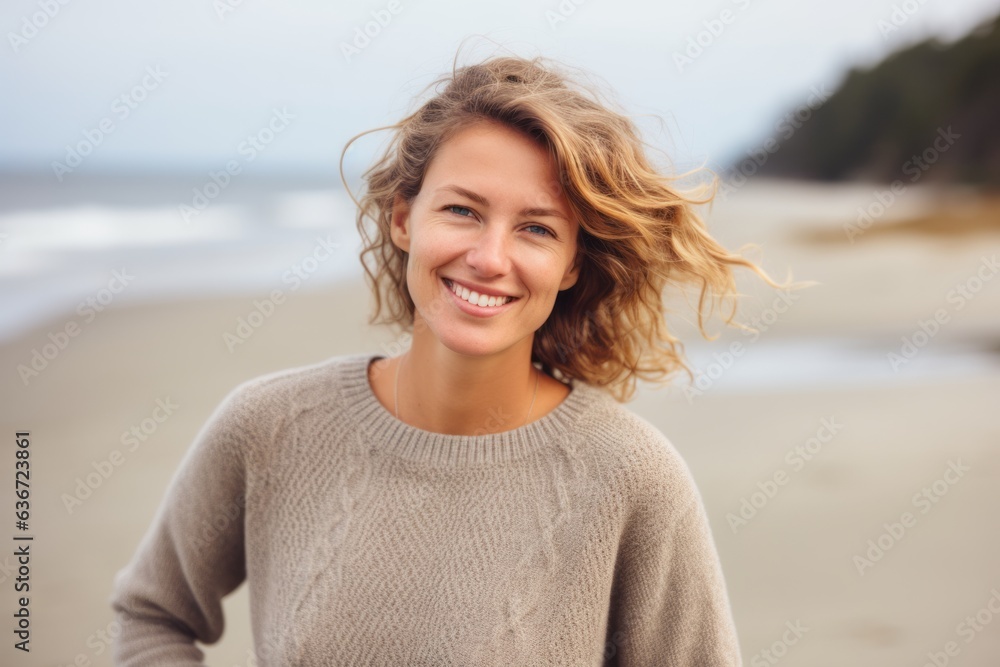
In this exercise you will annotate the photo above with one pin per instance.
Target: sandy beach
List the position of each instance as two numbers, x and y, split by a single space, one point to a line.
856 524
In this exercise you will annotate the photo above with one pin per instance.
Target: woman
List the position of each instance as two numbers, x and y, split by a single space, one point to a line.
482 498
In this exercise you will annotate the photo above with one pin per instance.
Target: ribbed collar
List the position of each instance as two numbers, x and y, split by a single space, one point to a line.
392 436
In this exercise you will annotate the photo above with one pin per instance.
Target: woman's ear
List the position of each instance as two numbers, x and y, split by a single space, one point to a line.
573 272
399 223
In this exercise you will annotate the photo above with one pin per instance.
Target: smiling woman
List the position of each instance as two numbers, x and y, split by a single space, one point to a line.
483 498
488 249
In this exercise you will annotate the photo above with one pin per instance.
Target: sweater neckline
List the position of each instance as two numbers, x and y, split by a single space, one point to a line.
394 437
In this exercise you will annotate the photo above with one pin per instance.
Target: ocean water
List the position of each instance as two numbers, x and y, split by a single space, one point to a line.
129 239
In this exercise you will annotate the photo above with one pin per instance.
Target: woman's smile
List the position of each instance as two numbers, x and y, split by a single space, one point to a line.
469 300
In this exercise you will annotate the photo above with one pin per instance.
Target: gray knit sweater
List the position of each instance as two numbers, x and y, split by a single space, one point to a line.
577 539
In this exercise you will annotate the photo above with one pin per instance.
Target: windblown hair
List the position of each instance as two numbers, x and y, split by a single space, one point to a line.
637 232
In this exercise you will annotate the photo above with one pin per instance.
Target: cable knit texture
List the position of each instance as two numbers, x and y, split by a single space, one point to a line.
577 539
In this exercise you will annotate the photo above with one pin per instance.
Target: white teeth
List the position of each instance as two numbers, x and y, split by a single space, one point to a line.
482 300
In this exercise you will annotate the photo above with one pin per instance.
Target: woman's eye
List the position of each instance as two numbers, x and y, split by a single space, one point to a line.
461 208
541 228
545 231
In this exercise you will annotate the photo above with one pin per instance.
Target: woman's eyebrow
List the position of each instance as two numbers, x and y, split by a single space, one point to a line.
482 201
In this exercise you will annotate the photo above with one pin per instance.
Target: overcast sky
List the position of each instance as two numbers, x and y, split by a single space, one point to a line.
222 69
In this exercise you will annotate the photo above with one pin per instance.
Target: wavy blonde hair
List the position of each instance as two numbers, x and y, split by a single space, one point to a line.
637 232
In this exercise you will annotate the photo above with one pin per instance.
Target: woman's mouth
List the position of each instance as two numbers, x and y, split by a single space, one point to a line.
478 303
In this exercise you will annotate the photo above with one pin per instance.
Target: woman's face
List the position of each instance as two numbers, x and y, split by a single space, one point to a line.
490 214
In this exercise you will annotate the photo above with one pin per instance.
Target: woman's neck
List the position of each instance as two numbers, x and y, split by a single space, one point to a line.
445 393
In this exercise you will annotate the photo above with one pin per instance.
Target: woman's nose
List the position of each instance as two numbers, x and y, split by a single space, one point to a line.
490 253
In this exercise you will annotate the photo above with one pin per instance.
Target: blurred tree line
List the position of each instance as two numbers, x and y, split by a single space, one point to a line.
890 122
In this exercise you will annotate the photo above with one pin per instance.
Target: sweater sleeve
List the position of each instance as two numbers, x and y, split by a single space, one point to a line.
192 555
669 602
